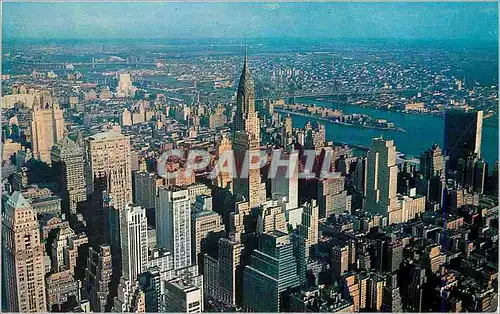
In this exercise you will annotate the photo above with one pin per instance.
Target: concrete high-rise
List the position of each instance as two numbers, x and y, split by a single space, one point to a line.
381 181
462 134
286 180
433 170
221 272
108 154
173 224
124 88
22 257
134 241
47 127
308 229
98 278
203 221
68 164
146 185
183 296
224 179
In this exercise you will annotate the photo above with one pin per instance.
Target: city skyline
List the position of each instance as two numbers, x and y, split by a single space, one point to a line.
334 20
313 174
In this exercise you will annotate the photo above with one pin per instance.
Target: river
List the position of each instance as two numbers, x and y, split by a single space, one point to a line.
421 130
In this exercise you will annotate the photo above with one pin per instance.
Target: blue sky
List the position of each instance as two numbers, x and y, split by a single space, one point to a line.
439 21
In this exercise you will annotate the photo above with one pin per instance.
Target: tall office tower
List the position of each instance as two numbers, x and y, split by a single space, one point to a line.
286 132
432 162
376 284
272 218
222 270
308 229
314 137
391 299
68 165
134 241
224 179
146 185
332 197
47 128
462 134
98 277
272 270
246 140
108 154
415 289
286 181
340 260
381 182
150 283
389 253
432 167
124 88
173 224
360 176
203 221
126 118
229 262
472 172
246 118
183 296
247 185
22 257
357 286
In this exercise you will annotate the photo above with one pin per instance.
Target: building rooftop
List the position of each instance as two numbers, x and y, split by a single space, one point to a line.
109 135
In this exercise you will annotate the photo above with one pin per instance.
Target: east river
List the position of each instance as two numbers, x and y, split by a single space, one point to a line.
421 130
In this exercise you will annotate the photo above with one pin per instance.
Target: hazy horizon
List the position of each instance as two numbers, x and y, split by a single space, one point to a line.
471 22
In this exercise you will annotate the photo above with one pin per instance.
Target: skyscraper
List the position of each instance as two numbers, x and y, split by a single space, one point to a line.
23 257
145 188
286 181
432 167
432 162
183 296
272 270
381 182
203 221
246 140
124 88
224 179
47 127
286 132
246 118
134 241
173 224
462 134
308 229
108 154
67 162
98 277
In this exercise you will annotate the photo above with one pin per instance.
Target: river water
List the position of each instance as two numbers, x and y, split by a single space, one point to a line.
421 130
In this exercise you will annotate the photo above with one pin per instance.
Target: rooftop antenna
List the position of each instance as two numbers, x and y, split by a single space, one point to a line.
246 57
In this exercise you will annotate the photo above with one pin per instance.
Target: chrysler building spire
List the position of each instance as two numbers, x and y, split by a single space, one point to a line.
246 118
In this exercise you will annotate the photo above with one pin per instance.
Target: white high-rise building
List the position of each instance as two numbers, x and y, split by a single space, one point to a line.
108 154
286 181
381 182
125 88
183 296
133 241
47 126
173 224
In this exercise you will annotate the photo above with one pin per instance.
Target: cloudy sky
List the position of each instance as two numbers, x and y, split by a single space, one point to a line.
466 21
